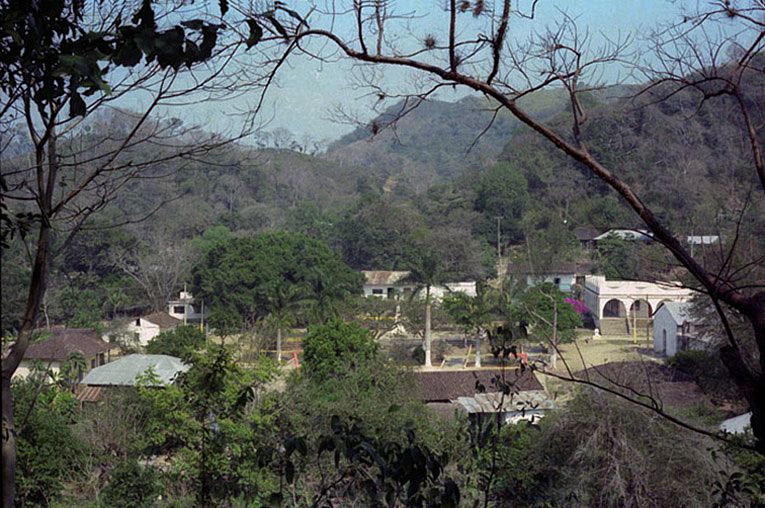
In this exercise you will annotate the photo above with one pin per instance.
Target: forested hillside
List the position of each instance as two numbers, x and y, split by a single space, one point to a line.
374 198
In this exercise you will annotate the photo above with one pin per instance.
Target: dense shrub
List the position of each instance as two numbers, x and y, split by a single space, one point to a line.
132 485
337 348
178 342
48 452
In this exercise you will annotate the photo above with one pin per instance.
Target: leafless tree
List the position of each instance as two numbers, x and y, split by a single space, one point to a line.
68 162
713 53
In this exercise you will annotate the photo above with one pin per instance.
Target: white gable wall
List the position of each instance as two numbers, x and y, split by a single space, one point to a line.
142 331
665 332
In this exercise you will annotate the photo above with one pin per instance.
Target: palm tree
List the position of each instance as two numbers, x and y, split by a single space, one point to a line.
473 313
427 270
283 304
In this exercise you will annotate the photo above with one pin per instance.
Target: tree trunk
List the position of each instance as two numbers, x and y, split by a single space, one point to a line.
11 362
750 382
756 392
427 327
478 349
279 344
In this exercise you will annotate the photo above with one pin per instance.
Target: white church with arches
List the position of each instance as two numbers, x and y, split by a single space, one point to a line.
624 307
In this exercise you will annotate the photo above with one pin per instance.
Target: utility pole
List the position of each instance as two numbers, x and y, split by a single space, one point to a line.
500 272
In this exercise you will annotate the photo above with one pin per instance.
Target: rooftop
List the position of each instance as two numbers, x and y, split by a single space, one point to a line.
163 320
124 371
449 385
680 311
64 342
384 277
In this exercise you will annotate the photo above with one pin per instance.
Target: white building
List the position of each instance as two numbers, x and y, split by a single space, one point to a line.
386 283
674 328
394 284
628 298
636 235
563 274
186 309
469 288
145 328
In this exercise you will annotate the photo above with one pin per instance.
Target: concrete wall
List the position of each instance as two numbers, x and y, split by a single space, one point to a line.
565 282
664 333
142 330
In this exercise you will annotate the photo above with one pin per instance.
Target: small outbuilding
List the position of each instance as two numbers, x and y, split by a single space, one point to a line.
674 328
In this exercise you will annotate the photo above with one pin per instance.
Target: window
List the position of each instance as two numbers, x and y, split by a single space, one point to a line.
101 359
93 363
556 280
377 291
136 336
179 309
664 341
138 322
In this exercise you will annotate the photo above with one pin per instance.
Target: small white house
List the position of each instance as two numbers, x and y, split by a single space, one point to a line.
145 328
186 308
392 284
674 328
387 283
563 275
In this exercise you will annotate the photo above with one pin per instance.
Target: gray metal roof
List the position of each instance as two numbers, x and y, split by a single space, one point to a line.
680 311
738 424
124 371
493 402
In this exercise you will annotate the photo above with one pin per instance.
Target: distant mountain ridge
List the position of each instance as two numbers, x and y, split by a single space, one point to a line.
434 142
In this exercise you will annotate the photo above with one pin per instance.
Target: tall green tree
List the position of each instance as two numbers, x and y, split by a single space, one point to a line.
502 192
207 425
246 279
427 270
57 62
473 314
336 349
548 315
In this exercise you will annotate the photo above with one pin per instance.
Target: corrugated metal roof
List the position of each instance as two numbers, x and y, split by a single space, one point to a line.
124 371
531 400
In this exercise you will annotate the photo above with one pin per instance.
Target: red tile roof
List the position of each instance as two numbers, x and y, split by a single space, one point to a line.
447 385
66 341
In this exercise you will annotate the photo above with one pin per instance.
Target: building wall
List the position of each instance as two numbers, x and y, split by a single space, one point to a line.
25 367
664 327
142 330
564 281
599 291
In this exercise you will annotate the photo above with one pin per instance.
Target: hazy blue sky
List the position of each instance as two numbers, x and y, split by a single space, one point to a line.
307 91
